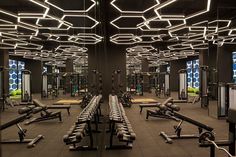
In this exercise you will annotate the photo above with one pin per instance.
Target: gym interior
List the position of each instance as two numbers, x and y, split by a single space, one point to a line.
118 78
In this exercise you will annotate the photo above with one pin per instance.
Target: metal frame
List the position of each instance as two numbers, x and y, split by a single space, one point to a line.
183 82
23 86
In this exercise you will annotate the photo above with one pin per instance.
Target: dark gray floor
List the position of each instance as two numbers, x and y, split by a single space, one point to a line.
147 144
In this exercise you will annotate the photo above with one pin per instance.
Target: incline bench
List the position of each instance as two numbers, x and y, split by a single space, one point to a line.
178 129
169 100
60 107
147 106
21 132
45 114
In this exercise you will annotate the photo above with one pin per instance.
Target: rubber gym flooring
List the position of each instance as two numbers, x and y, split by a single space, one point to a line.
147 144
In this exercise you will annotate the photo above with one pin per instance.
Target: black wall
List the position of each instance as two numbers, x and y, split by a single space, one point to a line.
36 74
175 66
4 62
219 58
224 63
107 61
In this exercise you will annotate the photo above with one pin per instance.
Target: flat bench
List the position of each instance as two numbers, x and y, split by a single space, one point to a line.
147 105
67 107
180 101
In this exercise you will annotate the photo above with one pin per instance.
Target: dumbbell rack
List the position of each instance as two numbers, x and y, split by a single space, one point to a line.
83 126
119 125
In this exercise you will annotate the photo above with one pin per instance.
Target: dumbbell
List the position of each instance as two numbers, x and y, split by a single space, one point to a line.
72 139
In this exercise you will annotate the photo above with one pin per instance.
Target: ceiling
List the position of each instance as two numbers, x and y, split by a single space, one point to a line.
159 30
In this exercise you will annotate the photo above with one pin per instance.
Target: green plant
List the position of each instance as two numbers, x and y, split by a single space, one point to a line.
18 92
196 90
190 90
13 93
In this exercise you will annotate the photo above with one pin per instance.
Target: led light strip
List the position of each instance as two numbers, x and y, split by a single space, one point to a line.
133 12
72 11
83 16
126 16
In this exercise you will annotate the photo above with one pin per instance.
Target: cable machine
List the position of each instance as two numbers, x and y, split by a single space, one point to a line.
44 90
183 85
74 84
163 84
204 86
26 86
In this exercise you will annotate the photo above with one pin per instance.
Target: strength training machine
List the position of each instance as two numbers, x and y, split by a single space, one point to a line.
21 132
169 138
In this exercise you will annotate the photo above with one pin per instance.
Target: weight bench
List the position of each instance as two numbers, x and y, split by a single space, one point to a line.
180 101
44 113
178 129
11 102
21 132
147 106
162 109
60 107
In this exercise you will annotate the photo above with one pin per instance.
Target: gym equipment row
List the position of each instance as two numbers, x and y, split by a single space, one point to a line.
83 126
163 85
26 95
164 110
21 132
50 85
119 125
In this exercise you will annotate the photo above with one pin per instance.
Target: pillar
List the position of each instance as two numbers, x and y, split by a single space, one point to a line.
145 68
175 66
35 66
4 62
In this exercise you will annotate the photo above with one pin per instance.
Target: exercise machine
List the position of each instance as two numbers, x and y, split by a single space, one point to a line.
183 85
164 110
139 84
74 84
178 129
21 132
45 114
204 86
44 90
26 86
207 139
222 107
163 85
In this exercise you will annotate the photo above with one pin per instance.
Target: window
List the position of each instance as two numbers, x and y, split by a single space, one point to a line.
234 66
15 74
193 73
